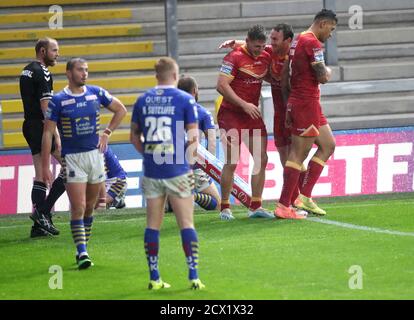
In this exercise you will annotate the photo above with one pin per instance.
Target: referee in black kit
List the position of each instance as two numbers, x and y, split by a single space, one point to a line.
36 89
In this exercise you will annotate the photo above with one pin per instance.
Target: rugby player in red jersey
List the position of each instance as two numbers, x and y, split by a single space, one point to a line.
239 118
307 123
280 39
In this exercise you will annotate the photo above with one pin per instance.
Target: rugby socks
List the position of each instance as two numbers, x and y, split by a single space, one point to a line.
225 204
190 246
87 222
38 194
312 175
57 189
296 191
255 203
151 245
291 174
78 235
205 201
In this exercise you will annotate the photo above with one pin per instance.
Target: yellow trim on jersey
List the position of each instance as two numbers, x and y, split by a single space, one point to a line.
244 48
317 62
227 75
250 73
309 31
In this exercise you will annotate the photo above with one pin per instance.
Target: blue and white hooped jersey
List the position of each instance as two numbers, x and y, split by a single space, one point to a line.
112 166
205 122
78 117
162 114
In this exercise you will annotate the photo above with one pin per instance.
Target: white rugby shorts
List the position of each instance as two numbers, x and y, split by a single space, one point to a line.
180 186
84 167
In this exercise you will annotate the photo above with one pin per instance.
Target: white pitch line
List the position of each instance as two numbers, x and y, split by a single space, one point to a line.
339 206
357 227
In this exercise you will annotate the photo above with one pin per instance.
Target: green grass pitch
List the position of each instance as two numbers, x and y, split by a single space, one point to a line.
241 259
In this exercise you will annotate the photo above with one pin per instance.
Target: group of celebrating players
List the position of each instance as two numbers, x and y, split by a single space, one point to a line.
294 67
165 129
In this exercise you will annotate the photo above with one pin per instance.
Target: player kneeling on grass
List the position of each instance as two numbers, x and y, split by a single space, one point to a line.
112 192
206 194
161 118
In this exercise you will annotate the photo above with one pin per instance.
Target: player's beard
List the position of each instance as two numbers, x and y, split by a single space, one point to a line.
49 62
80 83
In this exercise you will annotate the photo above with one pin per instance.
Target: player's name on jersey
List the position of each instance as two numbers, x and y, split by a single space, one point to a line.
159 110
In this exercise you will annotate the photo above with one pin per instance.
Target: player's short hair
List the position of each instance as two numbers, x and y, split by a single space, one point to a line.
187 83
286 29
72 61
257 32
326 14
43 43
164 67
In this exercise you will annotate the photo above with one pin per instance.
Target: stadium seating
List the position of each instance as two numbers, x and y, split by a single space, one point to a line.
372 84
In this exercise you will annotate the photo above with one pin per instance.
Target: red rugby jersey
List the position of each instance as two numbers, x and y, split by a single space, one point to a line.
247 73
276 67
305 51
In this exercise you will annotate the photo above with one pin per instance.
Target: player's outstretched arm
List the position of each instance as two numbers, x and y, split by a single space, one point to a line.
232 44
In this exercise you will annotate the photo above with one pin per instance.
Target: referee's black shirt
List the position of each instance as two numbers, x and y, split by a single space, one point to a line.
36 84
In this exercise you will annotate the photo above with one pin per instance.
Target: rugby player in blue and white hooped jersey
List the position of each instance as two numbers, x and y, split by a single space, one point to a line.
76 112
206 194
161 118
